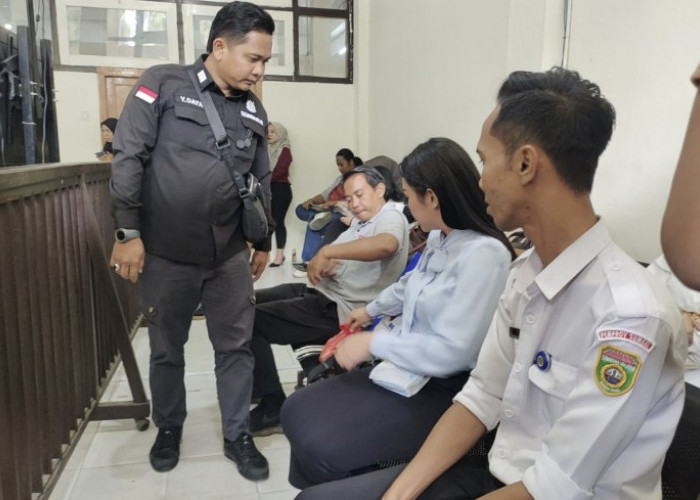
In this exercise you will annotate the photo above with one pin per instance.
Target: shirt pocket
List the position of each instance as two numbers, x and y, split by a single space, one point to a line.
188 132
558 381
191 113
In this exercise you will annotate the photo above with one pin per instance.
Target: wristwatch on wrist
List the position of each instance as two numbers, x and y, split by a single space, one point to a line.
123 235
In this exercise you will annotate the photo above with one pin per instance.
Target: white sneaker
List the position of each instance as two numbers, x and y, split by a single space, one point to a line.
320 220
299 274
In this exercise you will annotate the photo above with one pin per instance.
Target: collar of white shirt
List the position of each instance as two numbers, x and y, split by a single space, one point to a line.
568 264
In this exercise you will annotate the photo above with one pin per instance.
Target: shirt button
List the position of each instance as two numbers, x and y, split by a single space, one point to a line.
509 413
616 266
517 367
530 319
501 453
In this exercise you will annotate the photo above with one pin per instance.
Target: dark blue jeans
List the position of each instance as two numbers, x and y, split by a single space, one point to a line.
313 240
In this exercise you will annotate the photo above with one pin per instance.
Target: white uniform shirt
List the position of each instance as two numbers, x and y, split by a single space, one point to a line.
597 419
447 303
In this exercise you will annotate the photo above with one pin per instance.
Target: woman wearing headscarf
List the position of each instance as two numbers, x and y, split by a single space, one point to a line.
108 127
280 153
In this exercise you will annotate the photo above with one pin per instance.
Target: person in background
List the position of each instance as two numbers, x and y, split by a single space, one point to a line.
361 262
582 367
680 229
393 193
178 219
445 304
320 209
107 128
280 153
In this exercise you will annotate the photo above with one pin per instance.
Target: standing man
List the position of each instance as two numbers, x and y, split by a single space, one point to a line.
582 368
177 214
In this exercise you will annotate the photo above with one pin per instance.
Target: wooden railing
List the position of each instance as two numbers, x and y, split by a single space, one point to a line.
64 320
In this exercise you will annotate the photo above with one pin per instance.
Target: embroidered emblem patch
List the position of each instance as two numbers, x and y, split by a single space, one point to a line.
146 94
632 337
250 106
616 370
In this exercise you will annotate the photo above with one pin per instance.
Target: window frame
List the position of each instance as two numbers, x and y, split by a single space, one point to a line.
61 40
297 11
343 14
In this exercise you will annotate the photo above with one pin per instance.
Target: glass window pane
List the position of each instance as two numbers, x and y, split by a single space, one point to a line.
13 13
324 4
95 31
201 25
323 47
279 57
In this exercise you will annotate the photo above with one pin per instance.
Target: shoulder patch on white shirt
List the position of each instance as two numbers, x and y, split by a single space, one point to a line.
608 334
146 94
616 370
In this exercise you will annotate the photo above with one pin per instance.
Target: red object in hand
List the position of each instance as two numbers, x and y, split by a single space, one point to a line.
332 344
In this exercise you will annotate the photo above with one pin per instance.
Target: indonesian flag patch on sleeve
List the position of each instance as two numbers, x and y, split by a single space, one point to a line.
146 94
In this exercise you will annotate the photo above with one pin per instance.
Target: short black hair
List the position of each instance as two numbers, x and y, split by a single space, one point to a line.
444 167
393 191
373 176
565 115
236 19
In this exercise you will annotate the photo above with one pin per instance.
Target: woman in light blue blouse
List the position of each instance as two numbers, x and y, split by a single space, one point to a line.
347 423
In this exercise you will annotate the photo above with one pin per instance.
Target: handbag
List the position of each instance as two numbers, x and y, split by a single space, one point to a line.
254 223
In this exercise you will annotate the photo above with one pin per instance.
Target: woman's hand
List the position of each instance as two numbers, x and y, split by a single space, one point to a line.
358 317
354 350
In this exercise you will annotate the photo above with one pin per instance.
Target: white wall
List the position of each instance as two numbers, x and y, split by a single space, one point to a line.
641 53
320 119
434 69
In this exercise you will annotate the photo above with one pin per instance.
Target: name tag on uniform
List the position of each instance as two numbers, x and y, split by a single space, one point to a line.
257 120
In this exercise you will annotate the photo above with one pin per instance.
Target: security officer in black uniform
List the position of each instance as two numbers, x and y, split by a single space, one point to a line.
177 214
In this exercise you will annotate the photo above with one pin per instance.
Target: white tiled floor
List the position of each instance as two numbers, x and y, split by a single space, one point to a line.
111 458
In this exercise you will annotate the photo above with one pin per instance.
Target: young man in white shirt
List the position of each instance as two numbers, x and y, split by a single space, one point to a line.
582 368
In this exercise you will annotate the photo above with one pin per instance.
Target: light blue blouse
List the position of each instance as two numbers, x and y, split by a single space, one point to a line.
447 303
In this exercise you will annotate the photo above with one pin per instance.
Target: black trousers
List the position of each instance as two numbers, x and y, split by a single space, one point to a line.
170 291
468 479
281 199
346 423
289 314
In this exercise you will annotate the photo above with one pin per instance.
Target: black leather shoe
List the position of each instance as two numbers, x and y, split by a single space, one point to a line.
264 423
251 463
165 452
275 264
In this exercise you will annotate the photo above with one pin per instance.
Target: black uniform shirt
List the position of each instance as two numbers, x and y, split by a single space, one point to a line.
168 179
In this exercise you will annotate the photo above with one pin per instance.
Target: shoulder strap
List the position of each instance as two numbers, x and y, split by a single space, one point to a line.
223 144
